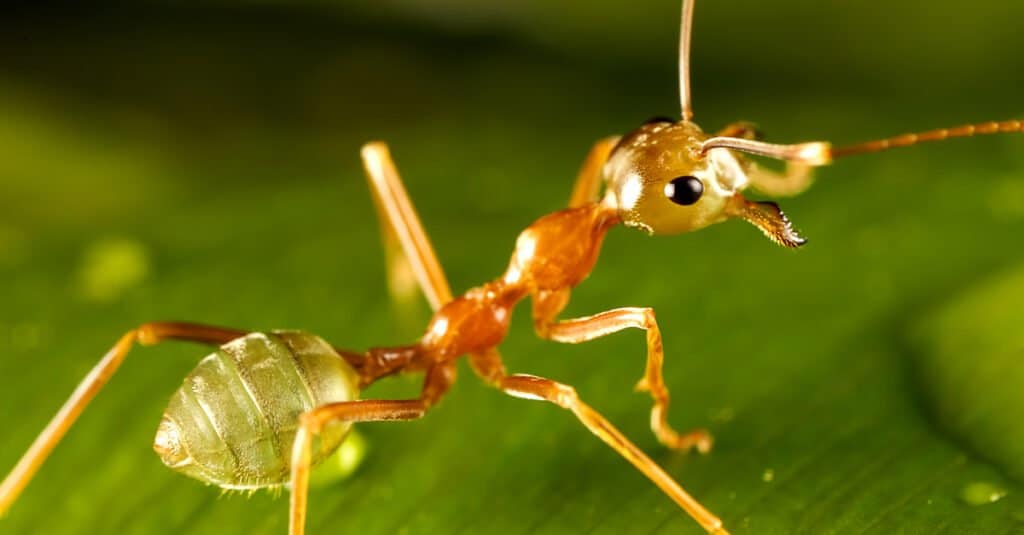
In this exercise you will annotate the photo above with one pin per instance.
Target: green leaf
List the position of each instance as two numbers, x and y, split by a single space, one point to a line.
971 367
218 152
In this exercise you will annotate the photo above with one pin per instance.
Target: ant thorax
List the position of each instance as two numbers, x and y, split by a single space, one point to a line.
659 180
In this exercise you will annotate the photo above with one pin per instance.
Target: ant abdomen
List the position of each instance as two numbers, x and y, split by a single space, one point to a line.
234 419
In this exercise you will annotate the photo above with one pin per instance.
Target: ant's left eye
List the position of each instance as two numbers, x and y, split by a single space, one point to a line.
684 190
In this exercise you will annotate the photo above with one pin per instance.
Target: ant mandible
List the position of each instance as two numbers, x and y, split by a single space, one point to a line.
265 407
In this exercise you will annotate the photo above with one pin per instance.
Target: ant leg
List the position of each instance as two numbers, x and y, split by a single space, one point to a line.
437 382
741 129
579 330
146 334
588 181
407 247
490 368
794 180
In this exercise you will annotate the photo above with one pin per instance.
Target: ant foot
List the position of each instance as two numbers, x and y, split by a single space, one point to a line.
698 439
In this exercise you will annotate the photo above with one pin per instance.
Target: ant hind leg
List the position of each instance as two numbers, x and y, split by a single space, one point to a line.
146 334
437 382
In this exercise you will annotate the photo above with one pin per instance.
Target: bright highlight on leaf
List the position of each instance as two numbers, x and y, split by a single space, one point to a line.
110 267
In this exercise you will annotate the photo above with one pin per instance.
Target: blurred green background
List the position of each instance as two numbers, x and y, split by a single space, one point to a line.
179 161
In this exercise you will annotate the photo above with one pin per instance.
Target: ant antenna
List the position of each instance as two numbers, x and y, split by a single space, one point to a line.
686 29
813 153
905 140
821 153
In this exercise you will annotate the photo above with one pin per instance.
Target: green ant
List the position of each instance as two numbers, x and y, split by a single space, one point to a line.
265 407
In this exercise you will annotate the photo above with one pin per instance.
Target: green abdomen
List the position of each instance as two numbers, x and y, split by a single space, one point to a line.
233 420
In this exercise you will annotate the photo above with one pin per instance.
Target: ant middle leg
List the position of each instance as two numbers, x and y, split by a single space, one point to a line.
146 334
407 247
490 367
436 383
579 330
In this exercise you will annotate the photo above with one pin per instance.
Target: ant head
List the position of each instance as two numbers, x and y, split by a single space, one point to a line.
664 179
668 177
659 181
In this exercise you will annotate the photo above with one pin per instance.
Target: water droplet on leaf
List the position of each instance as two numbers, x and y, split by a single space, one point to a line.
981 492
342 463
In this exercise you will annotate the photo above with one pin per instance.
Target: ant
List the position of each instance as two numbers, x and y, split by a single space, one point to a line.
265 407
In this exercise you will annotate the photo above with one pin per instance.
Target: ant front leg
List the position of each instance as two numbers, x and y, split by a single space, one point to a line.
588 181
741 129
437 382
794 180
146 334
490 367
547 306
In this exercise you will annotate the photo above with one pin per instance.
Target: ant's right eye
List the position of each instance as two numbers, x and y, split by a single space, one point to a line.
684 190
660 119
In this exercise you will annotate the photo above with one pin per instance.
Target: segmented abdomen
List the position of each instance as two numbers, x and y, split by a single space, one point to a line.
233 420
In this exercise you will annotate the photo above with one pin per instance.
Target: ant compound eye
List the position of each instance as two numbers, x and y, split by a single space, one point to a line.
684 190
660 119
